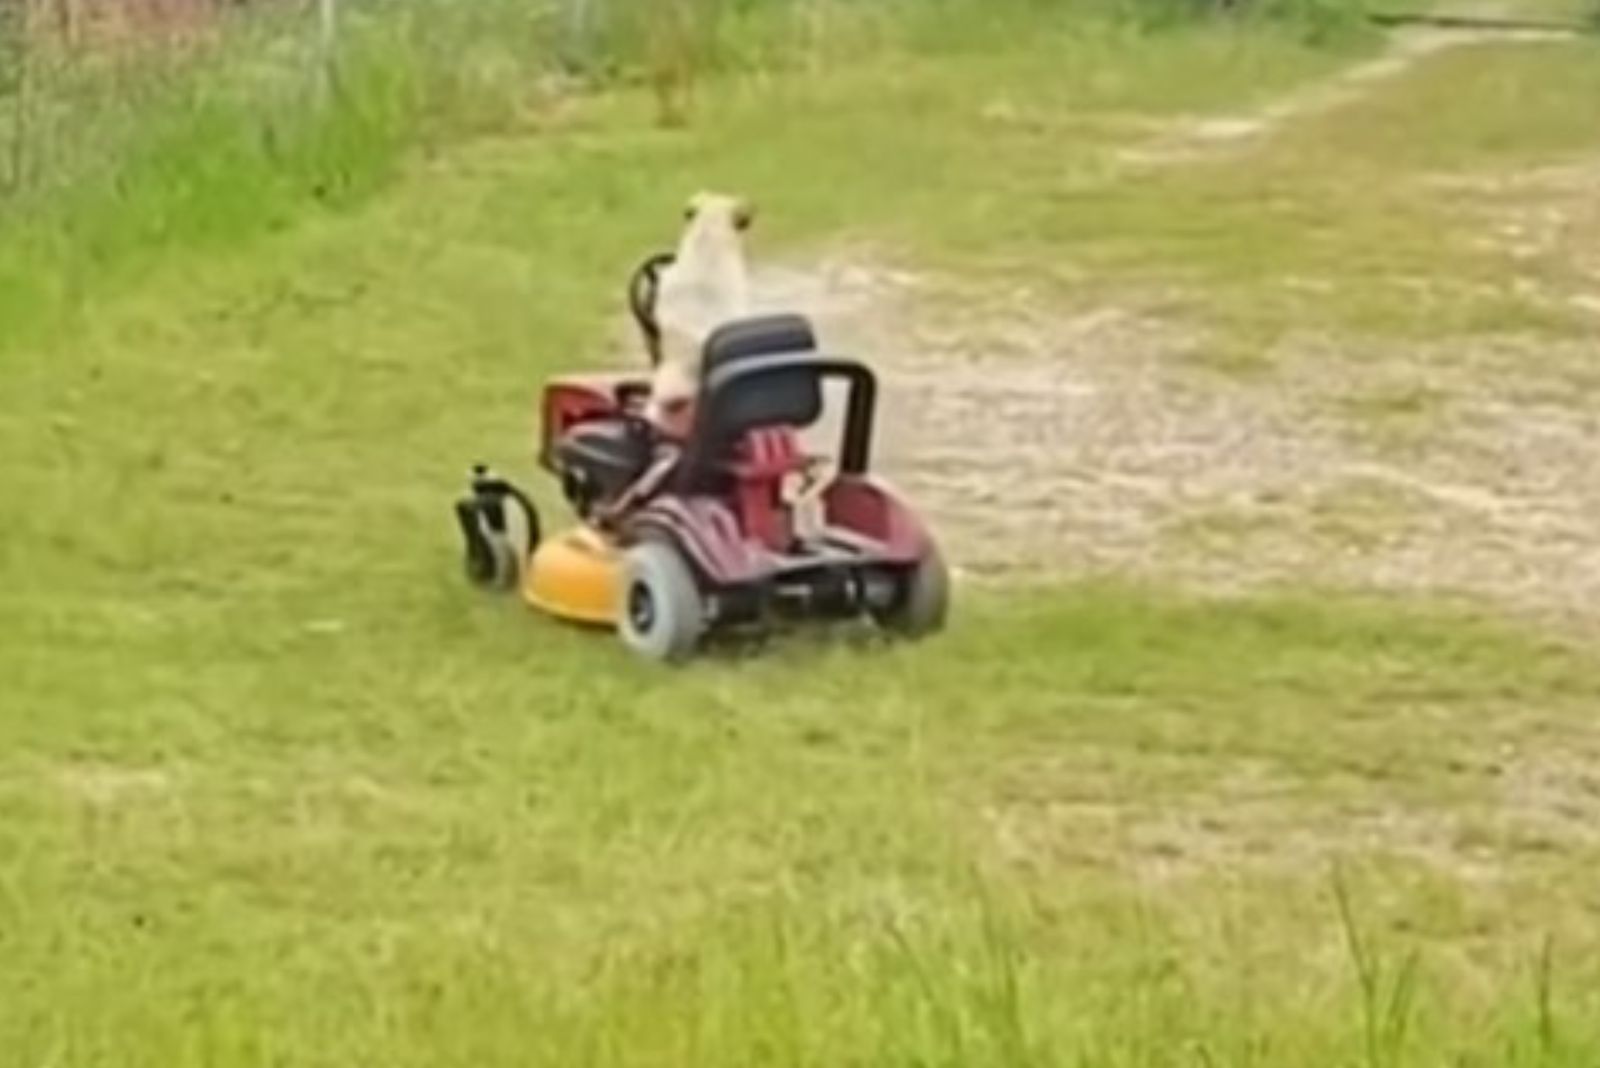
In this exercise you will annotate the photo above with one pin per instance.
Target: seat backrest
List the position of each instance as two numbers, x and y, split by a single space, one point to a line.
767 335
762 388
790 397
762 384
778 392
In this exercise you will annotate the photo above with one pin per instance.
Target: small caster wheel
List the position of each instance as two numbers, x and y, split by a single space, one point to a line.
489 558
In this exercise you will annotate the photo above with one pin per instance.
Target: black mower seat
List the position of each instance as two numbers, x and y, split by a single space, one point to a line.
603 459
767 335
784 402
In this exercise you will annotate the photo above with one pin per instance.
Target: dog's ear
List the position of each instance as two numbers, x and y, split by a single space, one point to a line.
696 204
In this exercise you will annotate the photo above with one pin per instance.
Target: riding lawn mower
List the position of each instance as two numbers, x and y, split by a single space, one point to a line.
678 541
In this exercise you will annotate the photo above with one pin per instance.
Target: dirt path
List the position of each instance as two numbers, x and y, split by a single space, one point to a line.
1093 444
1196 140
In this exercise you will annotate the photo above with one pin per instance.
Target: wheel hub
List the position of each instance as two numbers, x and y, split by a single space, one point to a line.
641 608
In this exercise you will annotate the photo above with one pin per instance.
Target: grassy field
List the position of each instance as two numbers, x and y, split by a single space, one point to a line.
276 788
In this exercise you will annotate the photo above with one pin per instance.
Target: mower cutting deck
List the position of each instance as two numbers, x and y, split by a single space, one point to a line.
676 540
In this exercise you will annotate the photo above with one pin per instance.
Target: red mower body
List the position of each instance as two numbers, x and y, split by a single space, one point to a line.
724 498
734 523
573 399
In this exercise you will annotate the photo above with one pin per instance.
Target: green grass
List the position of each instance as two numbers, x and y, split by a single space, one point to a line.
1471 108
1332 223
277 789
1018 174
443 833
122 160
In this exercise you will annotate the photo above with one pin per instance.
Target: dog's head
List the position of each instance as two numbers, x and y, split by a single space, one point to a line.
720 210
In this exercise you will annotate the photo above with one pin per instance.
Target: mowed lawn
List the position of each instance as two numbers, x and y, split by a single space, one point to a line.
276 788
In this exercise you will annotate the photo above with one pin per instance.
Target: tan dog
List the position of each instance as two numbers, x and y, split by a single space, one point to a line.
706 285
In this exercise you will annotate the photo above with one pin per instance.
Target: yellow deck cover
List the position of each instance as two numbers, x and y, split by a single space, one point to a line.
574 576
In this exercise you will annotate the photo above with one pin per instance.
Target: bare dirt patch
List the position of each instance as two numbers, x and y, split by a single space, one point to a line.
1096 443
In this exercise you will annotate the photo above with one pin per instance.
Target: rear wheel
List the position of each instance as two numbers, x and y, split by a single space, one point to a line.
662 615
922 604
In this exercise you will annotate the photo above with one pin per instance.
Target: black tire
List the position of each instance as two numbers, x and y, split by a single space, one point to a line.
922 604
507 570
662 616
492 563
489 558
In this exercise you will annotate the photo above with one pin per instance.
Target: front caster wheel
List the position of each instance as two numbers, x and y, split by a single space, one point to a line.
488 557
491 558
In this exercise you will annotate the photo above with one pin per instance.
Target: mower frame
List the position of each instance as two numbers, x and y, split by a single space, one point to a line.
716 543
